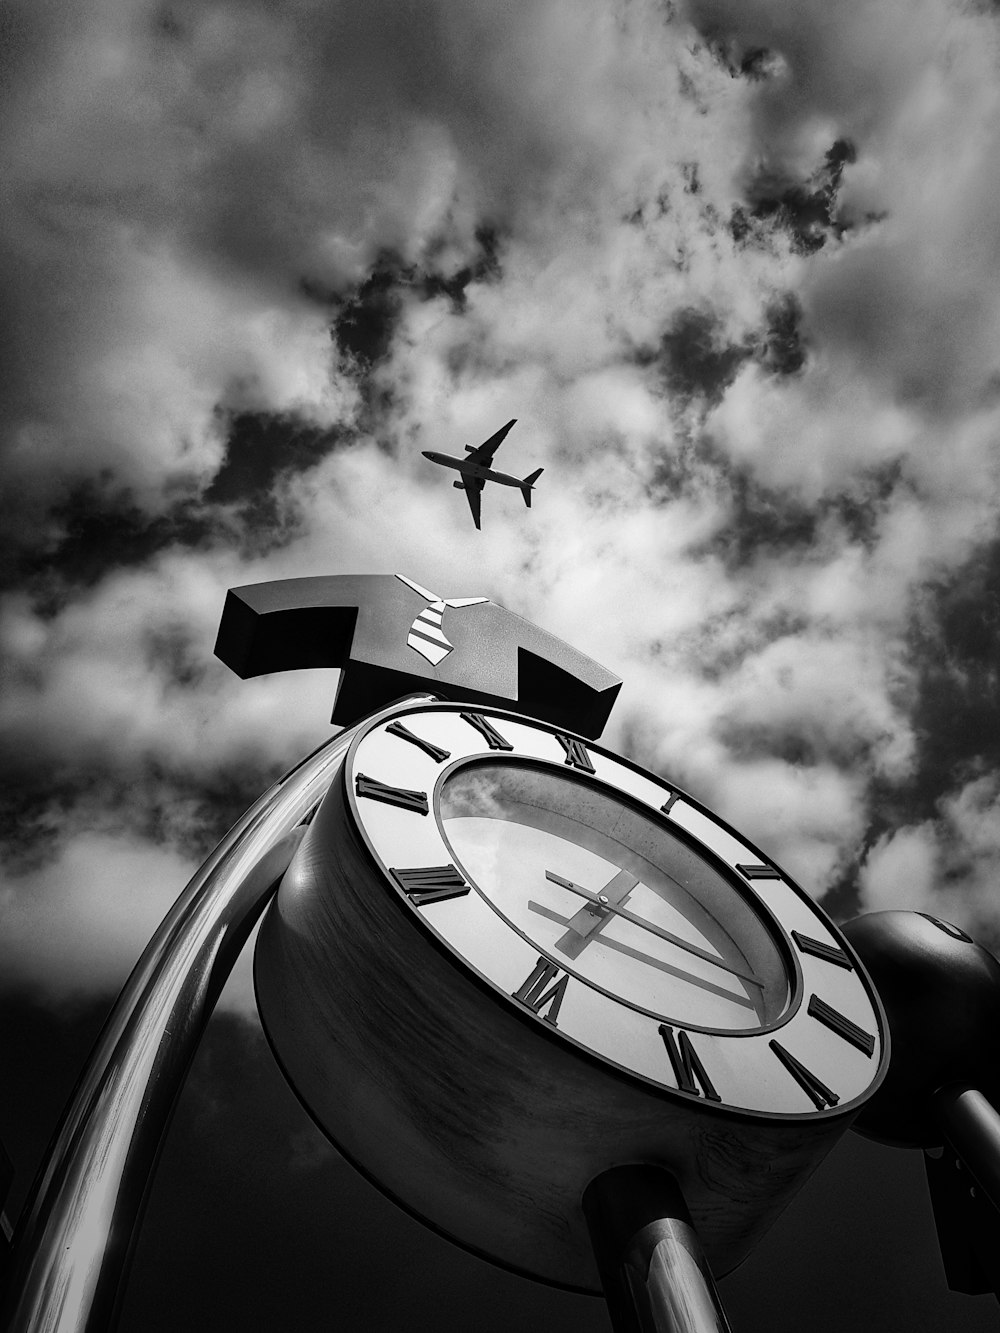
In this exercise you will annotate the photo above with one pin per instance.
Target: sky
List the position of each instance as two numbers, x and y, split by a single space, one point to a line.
733 266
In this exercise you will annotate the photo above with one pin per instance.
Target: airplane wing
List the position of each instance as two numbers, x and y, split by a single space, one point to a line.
483 453
474 493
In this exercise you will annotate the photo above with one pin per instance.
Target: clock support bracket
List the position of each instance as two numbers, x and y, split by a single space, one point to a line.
653 1271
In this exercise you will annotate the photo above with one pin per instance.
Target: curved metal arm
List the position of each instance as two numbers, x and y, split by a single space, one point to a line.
72 1247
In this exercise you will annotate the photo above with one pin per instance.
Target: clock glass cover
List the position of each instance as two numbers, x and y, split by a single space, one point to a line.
614 896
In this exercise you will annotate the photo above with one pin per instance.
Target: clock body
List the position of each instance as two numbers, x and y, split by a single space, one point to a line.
504 960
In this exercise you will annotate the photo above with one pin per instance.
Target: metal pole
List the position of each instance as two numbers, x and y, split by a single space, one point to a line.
653 1270
73 1244
971 1125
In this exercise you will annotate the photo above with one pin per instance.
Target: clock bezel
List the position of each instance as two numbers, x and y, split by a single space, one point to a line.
779 931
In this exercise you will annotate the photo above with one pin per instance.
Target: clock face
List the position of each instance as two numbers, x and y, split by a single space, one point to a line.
613 895
615 912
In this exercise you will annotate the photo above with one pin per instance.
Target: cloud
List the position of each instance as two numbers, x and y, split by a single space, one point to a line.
127 672
731 268
77 926
947 866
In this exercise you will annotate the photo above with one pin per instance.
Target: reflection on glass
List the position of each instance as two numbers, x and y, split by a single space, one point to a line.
613 896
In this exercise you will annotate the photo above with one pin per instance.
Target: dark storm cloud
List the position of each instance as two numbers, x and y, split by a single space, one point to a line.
94 533
696 360
782 349
95 530
907 86
364 327
806 210
956 652
40 808
763 522
934 839
853 70
366 319
372 93
698 364
262 448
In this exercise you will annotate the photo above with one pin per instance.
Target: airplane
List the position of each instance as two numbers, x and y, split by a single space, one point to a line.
476 471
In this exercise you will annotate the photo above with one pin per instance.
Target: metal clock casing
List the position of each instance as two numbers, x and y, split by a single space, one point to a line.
468 1069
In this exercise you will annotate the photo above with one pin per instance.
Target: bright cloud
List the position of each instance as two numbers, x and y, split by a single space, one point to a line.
76 927
731 267
947 866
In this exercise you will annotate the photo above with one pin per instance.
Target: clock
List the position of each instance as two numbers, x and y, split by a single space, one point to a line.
506 959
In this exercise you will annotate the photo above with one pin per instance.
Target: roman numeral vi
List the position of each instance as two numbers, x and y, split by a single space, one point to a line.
687 1066
532 992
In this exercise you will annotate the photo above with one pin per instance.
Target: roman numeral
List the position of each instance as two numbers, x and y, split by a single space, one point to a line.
532 992
576 753
430 884
428 747
817 1092
665 807
759 872
836 1022
378 791
828 952
687 1066
493 738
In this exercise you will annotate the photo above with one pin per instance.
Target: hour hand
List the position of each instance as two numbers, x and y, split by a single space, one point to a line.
595 899
583 924
616 891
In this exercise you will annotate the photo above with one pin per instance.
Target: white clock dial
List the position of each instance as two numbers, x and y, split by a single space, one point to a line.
615 911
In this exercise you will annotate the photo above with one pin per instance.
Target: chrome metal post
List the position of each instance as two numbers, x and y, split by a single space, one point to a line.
654 1274
971 1124
72 1246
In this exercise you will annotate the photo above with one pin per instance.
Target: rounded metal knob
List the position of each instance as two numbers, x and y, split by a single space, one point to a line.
941 992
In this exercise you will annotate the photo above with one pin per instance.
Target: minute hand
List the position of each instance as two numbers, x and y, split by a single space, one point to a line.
626 915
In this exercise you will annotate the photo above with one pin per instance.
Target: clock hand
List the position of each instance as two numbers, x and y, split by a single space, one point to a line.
658 963
652 928
588 920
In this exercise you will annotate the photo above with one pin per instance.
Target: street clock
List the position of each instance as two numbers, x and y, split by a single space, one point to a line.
545 1000
616 909
505 960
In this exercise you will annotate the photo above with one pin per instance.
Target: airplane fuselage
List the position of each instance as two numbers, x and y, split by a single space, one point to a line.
470 469
476 470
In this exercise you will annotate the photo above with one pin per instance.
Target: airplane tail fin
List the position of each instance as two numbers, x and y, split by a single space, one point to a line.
528 483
